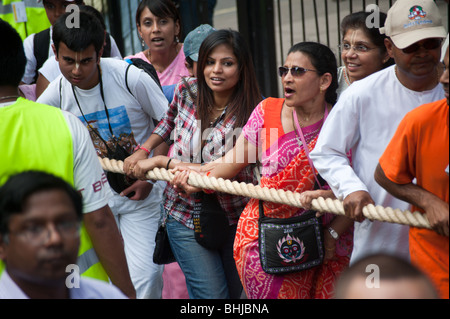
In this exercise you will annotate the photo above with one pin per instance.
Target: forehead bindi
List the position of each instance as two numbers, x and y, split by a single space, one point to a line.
354 36
87 54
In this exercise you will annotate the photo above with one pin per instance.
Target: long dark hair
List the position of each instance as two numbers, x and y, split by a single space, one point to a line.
246 94
324 61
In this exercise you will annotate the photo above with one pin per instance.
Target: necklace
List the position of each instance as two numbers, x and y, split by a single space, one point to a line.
9 97
149 57
214 120
347 80
304 120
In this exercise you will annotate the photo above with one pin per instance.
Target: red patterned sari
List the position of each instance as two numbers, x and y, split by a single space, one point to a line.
293 172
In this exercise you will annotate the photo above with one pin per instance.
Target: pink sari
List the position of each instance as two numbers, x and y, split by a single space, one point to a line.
293 172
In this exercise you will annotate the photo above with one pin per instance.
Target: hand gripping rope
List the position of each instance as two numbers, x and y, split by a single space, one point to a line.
280 196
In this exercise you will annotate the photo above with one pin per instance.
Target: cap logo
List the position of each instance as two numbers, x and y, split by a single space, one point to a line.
416 13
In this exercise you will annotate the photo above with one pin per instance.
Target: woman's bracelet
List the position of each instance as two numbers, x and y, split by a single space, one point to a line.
168 163
139 147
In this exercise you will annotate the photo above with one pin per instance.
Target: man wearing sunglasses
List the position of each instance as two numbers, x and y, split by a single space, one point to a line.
423 138
367 115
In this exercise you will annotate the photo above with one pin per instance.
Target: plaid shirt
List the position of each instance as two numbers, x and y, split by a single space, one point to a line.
181 127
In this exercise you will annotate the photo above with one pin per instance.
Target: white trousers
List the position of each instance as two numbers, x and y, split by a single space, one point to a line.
138 224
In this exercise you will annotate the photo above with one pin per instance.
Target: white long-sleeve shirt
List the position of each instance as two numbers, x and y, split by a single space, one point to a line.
364 120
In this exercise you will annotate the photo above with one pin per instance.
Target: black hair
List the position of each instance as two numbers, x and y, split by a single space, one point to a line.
77 39
94 12
99 16
391 268
324 61
246 95
357 20
12 56
77 2
190 62
161 9
15 192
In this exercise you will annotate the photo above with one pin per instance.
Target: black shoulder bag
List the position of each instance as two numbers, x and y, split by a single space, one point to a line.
291 244
211 225
117 181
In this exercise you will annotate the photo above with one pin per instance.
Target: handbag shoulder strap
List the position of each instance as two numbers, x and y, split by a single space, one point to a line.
305 146
261 209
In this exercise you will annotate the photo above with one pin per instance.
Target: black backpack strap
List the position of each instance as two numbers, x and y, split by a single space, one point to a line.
41 44
126 78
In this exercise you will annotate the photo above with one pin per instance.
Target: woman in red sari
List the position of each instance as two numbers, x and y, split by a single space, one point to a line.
310 81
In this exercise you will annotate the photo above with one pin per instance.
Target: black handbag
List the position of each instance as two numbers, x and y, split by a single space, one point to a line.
211 225
162 254
290 244
117 181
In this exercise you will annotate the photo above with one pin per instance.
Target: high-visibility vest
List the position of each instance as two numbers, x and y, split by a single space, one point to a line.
36 17
28 142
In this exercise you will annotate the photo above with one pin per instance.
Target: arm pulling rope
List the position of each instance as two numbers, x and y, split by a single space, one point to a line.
280 196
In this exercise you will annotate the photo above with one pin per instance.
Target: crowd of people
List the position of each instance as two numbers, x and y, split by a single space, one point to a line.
373 131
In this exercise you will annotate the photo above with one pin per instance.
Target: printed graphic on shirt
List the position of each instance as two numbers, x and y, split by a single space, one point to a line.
121 126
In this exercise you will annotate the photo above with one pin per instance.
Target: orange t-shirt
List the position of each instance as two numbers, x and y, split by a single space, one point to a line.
420 149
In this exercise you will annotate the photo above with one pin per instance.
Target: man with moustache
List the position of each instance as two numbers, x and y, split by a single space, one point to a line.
367 115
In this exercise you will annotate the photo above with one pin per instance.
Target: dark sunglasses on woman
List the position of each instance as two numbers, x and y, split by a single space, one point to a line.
296 71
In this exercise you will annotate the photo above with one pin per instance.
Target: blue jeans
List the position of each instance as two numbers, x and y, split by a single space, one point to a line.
210 274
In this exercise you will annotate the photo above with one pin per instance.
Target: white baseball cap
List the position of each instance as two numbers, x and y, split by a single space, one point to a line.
410 21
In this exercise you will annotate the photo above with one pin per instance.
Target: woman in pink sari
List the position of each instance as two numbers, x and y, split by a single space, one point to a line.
310 82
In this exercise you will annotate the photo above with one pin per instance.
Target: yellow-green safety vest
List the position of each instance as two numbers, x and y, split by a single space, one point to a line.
50 150
36 17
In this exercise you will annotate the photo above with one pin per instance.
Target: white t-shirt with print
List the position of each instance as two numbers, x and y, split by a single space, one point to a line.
131 116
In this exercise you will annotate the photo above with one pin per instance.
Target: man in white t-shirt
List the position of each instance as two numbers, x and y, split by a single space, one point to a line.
367 115
40 137
120 104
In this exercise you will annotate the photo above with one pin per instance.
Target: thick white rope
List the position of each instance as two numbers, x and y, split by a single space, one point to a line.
320 204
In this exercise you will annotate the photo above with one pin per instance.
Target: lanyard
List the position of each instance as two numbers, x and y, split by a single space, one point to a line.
102 94
305 146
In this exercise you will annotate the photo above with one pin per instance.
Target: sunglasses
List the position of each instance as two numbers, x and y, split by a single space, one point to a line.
296 71
429 44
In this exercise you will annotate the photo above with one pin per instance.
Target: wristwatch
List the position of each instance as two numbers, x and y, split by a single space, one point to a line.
333 233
